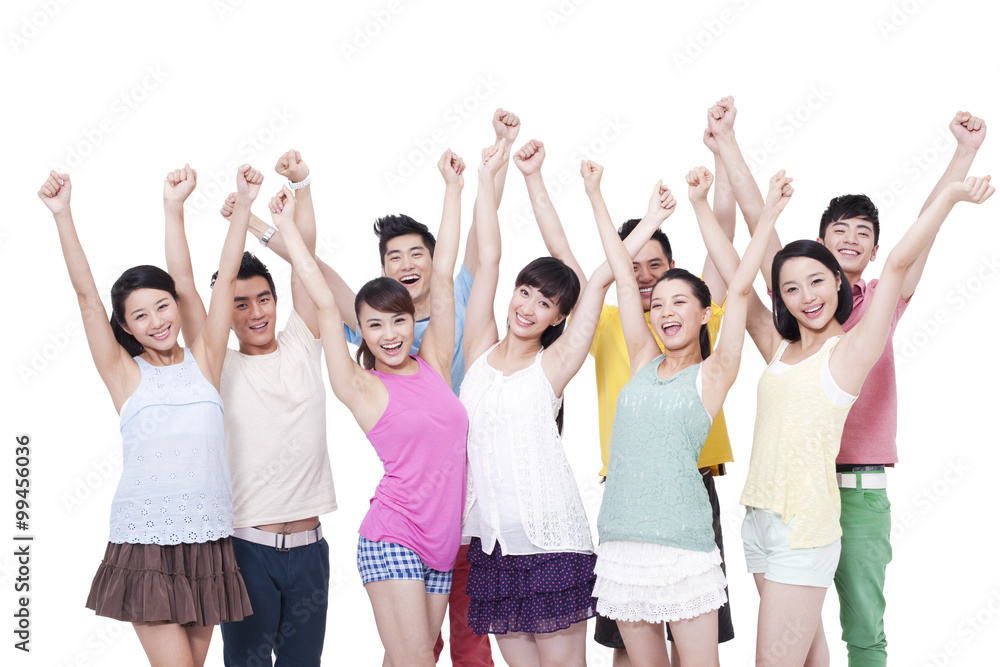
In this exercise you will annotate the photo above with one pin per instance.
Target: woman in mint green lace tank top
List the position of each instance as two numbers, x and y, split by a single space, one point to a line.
657 559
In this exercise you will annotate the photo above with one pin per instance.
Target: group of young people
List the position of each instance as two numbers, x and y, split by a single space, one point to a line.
216 517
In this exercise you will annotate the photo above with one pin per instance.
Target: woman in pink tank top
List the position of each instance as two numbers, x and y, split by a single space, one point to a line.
404 404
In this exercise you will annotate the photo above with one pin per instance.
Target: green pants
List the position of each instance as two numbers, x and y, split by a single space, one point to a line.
860 578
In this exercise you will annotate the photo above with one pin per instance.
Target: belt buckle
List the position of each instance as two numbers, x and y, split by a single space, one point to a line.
283 542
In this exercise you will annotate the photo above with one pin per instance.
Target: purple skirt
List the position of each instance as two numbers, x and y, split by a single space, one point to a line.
537 593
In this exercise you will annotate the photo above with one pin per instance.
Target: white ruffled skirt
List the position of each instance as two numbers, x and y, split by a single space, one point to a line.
646 581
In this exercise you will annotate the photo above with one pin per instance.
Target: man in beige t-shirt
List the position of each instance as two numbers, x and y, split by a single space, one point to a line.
274 395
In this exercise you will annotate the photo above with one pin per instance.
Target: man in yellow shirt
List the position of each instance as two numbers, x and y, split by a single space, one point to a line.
611 356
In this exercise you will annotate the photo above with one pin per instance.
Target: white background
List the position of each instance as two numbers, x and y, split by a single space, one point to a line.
846 96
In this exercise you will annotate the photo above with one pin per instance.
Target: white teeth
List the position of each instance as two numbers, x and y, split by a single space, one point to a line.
645 290
160 335
392 346
815 309
852 253
258 326
408 280
522 321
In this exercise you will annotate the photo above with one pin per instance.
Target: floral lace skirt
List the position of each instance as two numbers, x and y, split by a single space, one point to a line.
646 581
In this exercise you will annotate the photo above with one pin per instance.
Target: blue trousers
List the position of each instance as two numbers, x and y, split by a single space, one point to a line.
289 593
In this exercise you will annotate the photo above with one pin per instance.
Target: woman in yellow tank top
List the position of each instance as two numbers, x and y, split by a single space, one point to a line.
792 531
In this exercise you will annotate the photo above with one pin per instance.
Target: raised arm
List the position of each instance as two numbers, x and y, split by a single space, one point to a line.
720 249
177 187
639 340
438 344
209 348
480 322
291 166
721 118
345 295
567 354
506 125
862 345
116 368
970 132
724 206
529 162
363 393
721 368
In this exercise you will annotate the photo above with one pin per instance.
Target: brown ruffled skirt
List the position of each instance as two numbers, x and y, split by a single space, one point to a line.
190 584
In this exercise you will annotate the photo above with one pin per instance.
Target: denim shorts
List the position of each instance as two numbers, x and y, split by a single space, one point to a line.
766 543
378 561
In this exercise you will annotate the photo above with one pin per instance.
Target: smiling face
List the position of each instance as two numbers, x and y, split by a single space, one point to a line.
254 316
153 319
649 266
676 314
852 242
810 291
408 261
530 312
389 336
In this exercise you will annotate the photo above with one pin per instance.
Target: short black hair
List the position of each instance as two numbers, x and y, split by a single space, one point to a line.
784 321
658 235
847 207
390 226
250 267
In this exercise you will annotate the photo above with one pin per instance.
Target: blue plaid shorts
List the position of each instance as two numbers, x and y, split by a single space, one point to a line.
378 561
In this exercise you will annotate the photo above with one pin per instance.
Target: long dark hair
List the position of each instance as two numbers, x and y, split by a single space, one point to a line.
784 321
386 296
138 277
701 293
558 282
